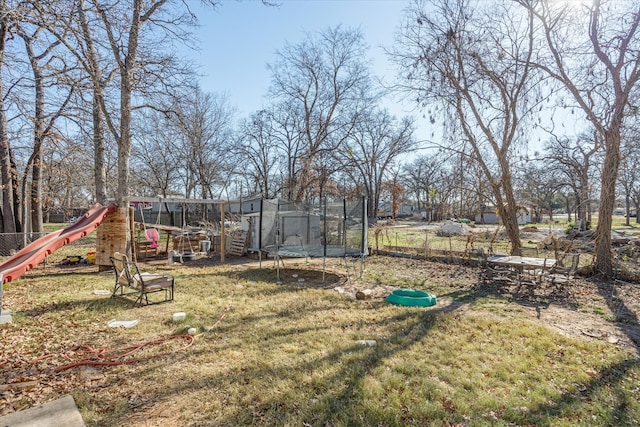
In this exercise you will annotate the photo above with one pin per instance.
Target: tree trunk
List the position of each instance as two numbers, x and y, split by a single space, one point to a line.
124 145
100 174
567 205
627 205
510 220
37 225
38 137
584 198
37 221
8 219
604 259
18 206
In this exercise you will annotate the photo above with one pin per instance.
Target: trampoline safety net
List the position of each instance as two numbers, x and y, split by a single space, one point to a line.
298 229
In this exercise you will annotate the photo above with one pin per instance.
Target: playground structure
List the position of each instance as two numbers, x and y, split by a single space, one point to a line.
209 234
36 252
280 229
109 222
109 241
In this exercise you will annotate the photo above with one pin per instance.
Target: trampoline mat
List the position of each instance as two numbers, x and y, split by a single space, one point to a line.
312 251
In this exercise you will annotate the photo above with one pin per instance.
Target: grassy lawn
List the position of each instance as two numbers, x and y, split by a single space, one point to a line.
289 354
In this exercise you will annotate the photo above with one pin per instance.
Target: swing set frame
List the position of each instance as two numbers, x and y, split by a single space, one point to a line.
171 230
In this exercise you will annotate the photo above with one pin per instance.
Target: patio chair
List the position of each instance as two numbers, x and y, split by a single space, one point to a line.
534 276
136 286
561 274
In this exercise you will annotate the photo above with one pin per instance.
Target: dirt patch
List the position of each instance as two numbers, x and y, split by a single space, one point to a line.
584 325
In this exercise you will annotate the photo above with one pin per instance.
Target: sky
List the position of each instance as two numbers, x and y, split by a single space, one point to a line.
240 38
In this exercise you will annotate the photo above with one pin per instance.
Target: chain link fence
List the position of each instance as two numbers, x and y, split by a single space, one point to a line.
430 242
10 243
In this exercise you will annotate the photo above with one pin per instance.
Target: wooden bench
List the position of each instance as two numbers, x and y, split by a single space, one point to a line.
136 286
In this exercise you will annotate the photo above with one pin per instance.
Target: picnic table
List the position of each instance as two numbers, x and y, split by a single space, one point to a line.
522 262
524 270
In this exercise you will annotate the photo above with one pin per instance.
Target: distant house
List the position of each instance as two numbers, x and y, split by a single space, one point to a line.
404 211
248 205
524 216
489 215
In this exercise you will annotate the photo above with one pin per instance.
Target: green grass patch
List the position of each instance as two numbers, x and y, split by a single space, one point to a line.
270 354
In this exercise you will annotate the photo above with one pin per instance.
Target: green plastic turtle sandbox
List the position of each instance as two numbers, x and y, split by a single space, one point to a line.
412 298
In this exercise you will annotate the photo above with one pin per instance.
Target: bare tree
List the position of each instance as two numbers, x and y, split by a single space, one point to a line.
369 153
394 189
156 155
596 57
205 122
48 67
420 176
134 31
474 61
574 159
443 195
288 134
68 178
259 150
468 183
540 184
323 79
629 177
10 221
124 39
75 26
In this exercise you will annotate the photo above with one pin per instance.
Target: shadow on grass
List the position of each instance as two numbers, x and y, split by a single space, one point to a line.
625 318
607 381
333 398
339 398
99 304
335 394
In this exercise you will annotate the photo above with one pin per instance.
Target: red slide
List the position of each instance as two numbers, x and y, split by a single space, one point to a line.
35 252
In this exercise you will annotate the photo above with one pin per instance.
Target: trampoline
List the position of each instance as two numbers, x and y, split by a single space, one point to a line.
311 252
329 229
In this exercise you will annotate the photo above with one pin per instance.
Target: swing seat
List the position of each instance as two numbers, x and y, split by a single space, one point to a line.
147 246
152 235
